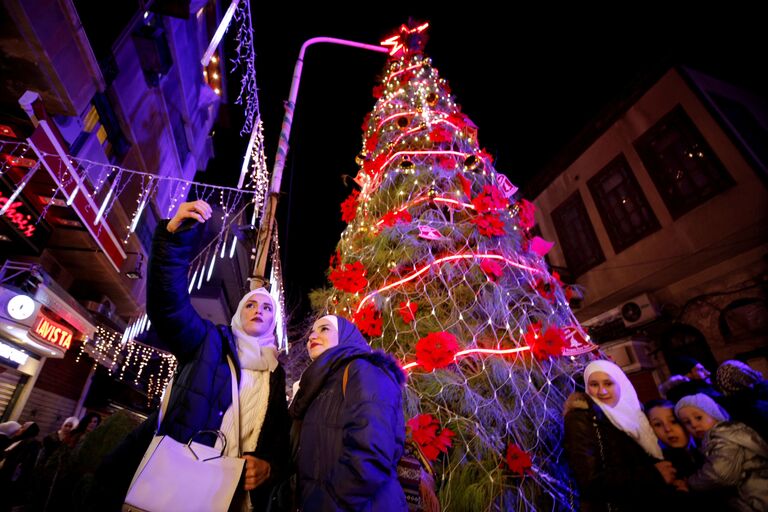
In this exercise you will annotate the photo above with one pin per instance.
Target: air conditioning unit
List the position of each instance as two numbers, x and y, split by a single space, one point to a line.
638 311
631 355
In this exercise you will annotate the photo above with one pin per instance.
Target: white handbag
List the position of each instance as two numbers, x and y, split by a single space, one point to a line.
186 477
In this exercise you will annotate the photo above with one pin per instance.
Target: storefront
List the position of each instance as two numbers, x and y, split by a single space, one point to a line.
39 321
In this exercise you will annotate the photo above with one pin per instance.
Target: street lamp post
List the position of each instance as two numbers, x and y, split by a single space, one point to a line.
266 226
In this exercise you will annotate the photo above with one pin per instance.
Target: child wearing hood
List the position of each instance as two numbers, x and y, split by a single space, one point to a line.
348 420
736 456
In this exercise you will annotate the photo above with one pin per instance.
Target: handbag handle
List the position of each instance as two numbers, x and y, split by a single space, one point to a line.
235 405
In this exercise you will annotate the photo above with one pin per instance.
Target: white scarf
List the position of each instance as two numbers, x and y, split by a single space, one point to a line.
258 357
626 415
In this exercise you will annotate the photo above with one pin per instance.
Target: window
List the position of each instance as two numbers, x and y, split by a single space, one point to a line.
623 207
683 167
744 319
576 235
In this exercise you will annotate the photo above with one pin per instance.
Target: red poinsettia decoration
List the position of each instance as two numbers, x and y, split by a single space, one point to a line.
526 214
549 343
349 278
488 224
446 162
492 268
458 120
489 200
391 218
424 430
373 167
378 91
440 134
372 142
368 320
466 185
349 207
436 350
546 286
407 311
484 155
518 460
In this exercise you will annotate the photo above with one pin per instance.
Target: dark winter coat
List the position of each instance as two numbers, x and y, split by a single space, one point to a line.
350 441
611 469
201 392
750 406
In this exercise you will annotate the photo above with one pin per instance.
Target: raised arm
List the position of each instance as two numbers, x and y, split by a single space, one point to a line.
168 305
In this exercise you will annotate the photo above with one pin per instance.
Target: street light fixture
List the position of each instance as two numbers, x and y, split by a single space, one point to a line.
266 226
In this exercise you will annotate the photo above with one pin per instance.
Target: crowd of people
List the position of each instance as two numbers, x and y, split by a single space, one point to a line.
337 445
34 474
702 447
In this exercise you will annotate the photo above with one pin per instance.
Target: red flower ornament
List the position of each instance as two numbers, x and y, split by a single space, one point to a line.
490 200
488 224
436 350
407 311
349 207
349 278
518 461
550 343
526 214
368 320
492 268
424 433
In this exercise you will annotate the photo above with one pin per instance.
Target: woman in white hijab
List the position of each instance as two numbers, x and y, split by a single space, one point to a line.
611 447
201 395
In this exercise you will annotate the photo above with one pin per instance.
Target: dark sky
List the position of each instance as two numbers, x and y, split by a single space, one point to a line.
529 80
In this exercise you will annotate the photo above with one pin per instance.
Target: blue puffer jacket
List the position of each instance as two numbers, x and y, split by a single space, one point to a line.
350 443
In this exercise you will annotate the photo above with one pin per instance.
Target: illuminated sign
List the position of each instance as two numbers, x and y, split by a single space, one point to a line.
12 354
20 219
51 332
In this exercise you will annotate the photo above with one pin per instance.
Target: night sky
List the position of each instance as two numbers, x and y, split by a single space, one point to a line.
530 82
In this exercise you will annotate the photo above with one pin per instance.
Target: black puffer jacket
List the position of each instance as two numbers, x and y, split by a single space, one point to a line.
610 468
350 441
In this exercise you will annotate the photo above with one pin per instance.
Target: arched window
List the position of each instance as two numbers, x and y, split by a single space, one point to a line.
685 340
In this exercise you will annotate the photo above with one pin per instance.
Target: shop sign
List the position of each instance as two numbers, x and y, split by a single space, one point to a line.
51 332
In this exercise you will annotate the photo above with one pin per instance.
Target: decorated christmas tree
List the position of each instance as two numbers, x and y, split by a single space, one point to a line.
438 267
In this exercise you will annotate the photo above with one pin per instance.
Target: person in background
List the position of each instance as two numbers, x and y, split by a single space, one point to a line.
745 395
85 426
7 431
736 457
348 421
18 467
54 440
614 454
698 379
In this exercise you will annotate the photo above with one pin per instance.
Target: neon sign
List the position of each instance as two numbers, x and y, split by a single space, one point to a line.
19 219
52 332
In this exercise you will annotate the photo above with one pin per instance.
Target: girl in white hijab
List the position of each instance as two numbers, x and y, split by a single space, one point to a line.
626 415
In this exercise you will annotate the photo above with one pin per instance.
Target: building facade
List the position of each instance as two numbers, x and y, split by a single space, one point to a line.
662 218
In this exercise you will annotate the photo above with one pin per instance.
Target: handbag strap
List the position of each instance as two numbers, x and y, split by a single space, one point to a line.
235 402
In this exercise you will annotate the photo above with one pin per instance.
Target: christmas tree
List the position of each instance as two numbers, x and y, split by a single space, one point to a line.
438 267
